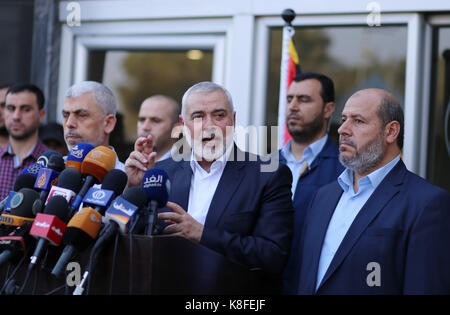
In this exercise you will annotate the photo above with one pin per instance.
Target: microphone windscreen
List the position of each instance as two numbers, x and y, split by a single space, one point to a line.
57 206
22 203
44 158
70 179
24 181
136 195
83 228
32 169
98 162
115 180
77 155
56 163
156 184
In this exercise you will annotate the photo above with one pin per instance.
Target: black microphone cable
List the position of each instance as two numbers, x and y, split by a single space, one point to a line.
130 273
113 267
9 286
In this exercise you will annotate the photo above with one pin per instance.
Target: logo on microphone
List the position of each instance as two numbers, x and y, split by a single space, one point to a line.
34 168
123 208
43 160
78 153
41 180
16 200
153 181
42 224
97 154
98 194
94 218
57 231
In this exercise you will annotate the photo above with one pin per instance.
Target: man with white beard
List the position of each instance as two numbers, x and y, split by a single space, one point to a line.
219 195
378 229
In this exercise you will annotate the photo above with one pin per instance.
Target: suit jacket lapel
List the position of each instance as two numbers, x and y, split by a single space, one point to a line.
317 229
229 182
380 197
181 185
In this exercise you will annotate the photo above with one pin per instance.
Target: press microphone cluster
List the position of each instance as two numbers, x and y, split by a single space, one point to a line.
71 206
85 225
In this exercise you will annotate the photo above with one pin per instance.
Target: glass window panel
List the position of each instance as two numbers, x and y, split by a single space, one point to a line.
353 57
135 75
438 161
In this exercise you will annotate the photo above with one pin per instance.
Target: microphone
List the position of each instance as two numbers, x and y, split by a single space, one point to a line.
84 226
32 169
118 216
21 208
69 184
113 185
15 245
49 227
44 158
156 185
81 231
77 155
47 177
95 165
22 181
122 210
21 217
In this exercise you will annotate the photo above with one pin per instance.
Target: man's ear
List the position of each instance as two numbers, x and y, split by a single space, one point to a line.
109 123
391 131
41 115
177 128
328 109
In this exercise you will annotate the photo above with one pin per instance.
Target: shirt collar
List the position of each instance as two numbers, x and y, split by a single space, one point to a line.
310 152
10 151
345 180
217 164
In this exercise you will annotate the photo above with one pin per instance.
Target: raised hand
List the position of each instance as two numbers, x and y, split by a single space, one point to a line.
140 160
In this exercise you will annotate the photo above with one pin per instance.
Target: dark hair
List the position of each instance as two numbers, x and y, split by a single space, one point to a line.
390 110
327 90
21 87
3 86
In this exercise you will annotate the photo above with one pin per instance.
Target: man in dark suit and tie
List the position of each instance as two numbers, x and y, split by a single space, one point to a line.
222 197
378 229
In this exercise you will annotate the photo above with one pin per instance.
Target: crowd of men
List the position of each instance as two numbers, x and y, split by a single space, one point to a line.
345 218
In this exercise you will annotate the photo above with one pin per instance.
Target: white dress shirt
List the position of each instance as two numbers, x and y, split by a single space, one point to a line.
203 185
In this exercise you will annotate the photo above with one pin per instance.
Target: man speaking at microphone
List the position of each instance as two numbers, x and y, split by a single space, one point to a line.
89 115
220 196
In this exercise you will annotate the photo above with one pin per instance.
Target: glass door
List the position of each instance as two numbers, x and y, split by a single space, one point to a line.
438 155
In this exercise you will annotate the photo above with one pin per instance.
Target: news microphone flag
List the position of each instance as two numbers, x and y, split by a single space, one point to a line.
120 211
290 67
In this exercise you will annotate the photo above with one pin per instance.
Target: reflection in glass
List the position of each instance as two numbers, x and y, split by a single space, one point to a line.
353 57
136 75
438 171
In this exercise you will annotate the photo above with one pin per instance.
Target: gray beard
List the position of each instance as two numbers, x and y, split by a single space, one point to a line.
366 158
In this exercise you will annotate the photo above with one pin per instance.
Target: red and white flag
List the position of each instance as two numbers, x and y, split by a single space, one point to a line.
290 67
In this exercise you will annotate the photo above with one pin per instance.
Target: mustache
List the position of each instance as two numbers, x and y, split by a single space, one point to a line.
294 115
72 133
17 123
348 141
